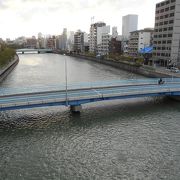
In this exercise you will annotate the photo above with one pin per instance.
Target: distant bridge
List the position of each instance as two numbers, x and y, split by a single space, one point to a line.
34 50
77 94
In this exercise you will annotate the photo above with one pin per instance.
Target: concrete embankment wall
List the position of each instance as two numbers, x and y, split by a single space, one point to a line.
5 71
142 70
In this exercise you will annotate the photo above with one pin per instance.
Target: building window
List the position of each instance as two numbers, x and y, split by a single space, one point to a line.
172 7
171 21
171 14
163 42
167 9
165 29
170 28
169 41
162 10
157 18
169 35
162 4
173 1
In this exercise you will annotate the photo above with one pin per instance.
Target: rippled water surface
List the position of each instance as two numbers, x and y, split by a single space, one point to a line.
123 139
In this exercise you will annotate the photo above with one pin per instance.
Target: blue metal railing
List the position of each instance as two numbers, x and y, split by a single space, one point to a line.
83 85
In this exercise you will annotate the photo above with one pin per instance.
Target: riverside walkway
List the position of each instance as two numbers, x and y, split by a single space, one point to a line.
74 95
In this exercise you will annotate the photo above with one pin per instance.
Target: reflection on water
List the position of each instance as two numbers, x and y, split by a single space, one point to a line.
32 62
122 139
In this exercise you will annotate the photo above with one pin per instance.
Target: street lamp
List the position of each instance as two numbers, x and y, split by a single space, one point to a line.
66 78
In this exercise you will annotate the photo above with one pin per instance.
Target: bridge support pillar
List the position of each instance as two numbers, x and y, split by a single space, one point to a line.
76 108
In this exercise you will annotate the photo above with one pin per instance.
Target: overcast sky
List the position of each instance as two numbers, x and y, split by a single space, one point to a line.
28 17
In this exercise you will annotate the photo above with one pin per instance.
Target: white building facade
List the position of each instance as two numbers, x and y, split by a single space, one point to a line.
93 36
139 40
103 39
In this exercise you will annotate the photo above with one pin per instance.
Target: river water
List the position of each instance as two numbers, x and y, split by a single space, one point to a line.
122 139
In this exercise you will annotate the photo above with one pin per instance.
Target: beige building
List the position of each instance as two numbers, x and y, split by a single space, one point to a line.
167 32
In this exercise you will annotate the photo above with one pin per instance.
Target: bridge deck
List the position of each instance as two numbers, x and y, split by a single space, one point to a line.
77 95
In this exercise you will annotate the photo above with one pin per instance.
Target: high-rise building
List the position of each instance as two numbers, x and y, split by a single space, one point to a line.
114 32
93 36
70 41
167 33
63 40
129 24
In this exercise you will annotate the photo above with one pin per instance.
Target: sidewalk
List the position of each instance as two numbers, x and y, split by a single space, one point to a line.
164 71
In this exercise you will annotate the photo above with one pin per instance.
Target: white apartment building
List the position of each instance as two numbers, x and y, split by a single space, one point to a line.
103 38
140 39
167 33
103 48
129 24
93 36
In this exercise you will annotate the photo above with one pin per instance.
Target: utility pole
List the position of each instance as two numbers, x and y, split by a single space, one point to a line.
66 79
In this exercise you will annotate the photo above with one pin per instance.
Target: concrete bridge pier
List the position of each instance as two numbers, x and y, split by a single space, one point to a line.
76 108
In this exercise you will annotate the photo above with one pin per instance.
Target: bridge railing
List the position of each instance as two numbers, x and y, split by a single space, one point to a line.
84 85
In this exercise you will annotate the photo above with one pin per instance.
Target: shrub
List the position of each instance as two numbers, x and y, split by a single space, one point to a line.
6 56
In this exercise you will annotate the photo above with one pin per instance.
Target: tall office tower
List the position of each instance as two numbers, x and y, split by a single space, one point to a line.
129 24
63 40
114 32
167 33
70 41
93 36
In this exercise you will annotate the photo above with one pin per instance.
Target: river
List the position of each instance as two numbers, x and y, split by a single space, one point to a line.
122 139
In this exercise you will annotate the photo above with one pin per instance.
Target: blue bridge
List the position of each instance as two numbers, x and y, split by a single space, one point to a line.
34 50
74 95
